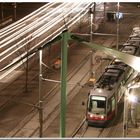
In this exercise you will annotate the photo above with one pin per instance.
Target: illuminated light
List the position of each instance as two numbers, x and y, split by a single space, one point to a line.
119 15
92 80
136 28
117 60
91 115
98 98
102 117
100 90
132 98
135 83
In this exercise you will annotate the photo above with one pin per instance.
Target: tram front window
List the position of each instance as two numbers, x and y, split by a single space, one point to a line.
97 105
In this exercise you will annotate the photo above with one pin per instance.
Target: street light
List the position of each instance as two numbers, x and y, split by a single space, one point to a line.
133 99
118 26
130 98
92 22
40 100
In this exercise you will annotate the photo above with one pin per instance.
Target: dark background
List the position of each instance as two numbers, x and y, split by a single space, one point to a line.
7 9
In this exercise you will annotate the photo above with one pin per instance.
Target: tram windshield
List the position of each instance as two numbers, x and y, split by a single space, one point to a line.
97 105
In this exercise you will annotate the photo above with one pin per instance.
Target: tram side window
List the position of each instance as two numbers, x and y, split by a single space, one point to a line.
113 103
109 108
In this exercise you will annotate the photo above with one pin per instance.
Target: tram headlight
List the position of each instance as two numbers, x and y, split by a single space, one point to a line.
91 115
102 117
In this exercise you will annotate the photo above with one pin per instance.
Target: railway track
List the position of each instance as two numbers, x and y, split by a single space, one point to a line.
51 95
31 115
17 132
47 96
18 94
28 117
81 129
90 131
75 126
114 128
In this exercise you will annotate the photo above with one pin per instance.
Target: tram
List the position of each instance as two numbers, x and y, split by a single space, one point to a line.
104 97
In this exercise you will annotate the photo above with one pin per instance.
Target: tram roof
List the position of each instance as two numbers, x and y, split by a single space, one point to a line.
102 92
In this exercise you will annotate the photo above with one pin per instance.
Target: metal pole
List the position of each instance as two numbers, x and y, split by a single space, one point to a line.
63 82
92 19
91 32
40 96
117 44
91 23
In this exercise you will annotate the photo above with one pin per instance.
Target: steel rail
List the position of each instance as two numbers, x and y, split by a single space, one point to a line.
78 128
70 92
50 94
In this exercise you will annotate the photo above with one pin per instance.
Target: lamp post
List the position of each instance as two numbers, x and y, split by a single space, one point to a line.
133 84
92 20
40 109
117 46
129 99
91 23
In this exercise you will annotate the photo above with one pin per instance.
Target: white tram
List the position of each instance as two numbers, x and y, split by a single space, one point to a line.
105 95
